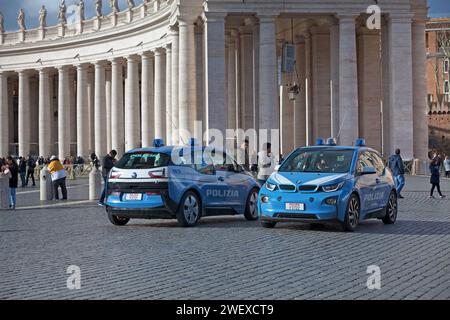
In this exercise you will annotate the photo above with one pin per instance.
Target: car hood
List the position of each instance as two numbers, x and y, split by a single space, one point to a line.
296 178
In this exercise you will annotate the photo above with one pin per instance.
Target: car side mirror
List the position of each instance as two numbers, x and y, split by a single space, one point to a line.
368 170
277 167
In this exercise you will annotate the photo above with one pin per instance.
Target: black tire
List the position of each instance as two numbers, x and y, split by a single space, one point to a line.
190 209
352 214
251 206
116 220
268 224
391 209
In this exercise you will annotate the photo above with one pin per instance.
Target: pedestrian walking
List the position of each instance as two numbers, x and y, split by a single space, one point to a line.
435 178
11 169
109 161
447 167
398 170
266 163
94 160
23 171
31 164
58 174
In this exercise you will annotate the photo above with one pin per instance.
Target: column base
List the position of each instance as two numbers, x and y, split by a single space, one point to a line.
420 167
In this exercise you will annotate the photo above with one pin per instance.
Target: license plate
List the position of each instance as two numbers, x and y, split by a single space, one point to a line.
295 206
133 196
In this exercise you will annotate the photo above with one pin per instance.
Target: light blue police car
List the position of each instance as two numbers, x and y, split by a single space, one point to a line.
326 183
185 183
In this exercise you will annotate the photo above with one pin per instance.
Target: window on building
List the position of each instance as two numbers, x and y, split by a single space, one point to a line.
446 65
446 87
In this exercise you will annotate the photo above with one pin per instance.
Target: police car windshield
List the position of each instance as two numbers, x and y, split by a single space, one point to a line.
143 160
319 160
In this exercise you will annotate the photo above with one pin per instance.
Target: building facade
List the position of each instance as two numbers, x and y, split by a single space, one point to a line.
168 67
438 83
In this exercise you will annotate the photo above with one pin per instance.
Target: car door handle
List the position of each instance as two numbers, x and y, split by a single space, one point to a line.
221 178
377 180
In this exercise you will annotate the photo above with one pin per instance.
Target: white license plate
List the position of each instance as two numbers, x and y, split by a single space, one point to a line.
133 196
295 206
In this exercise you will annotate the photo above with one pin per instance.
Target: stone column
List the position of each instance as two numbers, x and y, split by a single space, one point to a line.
320 84
148 100
108 109
269 117
24 113
117 111
215 71
4 116
90 109
82 112
174 86
385 88
334 74
160 93
401 85
187 94
132 108
369 78
348 81
300 101
100 109
63 113
168 101
45 114
308 95
246 75
232 84
420 117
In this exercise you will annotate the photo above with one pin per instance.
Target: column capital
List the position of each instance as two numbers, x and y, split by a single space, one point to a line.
186 21
116 61
44 70
346 18
266 18
146 55
82 66
24 72
64 68
400 18
173 30
214 16
132 58
159 51
100 64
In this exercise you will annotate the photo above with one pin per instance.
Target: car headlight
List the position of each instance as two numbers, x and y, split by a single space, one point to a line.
271 186
332 187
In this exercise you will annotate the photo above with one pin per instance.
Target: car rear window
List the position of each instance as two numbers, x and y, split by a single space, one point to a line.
143 160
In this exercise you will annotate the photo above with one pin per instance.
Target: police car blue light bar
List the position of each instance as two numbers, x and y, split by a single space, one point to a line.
319 142
360 142
158 143
331 142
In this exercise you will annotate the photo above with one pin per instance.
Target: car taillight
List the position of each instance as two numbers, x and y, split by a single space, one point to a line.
153 193
114 175
157 174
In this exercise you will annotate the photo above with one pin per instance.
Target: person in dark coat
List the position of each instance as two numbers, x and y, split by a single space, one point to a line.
23 170
109 162
435 178
30 172
398 171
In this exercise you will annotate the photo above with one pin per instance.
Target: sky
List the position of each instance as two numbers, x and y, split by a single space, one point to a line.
10 8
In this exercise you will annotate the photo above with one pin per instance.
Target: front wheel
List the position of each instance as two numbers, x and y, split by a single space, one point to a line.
116 220
189 211
352 214
391 209
251 207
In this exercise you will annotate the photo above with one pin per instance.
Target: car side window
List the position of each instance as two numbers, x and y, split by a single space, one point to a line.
364 160
378 163
203 163
224 163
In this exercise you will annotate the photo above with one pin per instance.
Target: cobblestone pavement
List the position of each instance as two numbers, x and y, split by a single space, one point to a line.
224 257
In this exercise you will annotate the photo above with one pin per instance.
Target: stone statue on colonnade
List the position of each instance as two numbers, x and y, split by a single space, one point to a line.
130 4
62 12
21 20
114 6
2 22
98 8
43 17
81 10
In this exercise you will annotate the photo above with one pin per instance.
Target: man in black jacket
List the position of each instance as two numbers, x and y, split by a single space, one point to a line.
23 171
30 172
108 163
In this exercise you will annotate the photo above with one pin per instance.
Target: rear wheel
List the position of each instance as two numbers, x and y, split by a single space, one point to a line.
251 207
352 214
189 211
391 209
116 220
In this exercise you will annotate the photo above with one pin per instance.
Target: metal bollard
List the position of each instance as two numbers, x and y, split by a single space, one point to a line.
4 191
95 184
46 187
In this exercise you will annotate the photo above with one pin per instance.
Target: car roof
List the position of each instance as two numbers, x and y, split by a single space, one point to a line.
165 149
